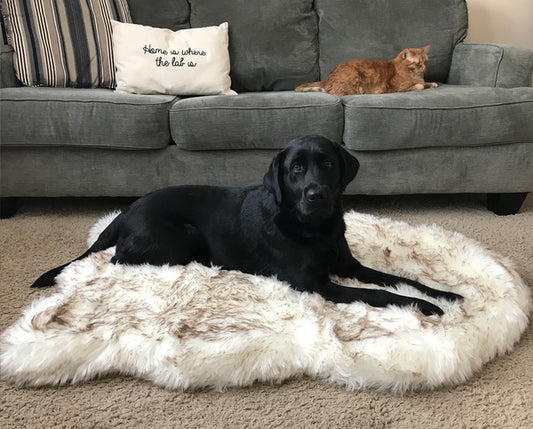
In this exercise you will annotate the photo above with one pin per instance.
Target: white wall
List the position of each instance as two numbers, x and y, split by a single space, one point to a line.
501 21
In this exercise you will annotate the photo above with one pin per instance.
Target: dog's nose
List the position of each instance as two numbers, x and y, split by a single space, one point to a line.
313 194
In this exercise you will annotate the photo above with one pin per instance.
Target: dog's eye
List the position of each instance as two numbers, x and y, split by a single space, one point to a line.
327 164
297 167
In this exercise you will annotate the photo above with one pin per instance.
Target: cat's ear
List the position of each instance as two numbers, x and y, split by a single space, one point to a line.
407 54
426 48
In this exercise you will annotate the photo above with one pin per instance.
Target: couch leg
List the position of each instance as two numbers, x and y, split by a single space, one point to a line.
505 204
8 206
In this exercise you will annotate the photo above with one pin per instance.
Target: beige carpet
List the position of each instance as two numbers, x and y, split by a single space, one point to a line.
46 233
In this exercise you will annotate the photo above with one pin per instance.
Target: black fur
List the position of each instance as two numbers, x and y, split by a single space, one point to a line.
291 226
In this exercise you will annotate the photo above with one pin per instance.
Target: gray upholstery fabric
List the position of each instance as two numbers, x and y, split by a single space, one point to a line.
83 117
173 14
443 117
7 72
69 171
380 29
272 44
484 64
264 120
487 169
516 67
73 171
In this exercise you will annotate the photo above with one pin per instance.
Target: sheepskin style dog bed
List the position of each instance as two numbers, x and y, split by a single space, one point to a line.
191 326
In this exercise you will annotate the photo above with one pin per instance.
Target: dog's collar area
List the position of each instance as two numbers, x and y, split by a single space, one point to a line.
289 224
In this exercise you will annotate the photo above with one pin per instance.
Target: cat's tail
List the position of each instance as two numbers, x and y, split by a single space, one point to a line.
310 87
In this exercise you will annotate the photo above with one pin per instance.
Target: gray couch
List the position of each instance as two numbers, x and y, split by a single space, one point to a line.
472 134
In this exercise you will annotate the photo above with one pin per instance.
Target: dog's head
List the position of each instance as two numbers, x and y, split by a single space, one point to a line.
309 176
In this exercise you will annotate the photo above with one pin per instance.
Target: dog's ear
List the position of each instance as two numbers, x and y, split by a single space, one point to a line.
273 177
350 166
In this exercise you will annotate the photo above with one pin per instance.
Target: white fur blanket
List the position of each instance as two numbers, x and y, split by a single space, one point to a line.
192 326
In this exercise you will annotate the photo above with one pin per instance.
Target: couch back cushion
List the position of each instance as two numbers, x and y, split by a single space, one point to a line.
172 14
272 44
380 29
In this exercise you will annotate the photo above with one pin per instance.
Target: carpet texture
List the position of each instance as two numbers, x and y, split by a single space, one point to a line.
46 233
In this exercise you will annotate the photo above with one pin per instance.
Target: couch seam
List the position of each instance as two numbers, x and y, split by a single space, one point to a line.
439 108
495 45
38 146
253 108
482 145
85 102
497 74
173 102
315 9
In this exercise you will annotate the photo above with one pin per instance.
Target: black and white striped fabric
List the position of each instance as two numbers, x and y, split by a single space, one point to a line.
63 43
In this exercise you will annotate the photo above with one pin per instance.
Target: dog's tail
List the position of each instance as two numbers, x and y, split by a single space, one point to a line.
310 87
106 239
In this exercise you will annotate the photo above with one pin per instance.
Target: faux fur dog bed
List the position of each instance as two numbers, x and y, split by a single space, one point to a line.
192 326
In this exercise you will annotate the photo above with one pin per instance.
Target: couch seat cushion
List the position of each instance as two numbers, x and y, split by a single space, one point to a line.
83 118
441 117
266 120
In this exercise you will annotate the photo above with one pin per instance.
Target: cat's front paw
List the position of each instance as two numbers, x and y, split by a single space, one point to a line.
431 85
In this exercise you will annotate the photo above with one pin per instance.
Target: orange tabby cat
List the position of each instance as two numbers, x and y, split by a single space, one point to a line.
403 73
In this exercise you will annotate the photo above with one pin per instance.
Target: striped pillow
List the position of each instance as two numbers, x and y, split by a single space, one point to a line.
63 43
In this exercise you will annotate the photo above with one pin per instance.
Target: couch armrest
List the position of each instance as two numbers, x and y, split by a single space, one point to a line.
485 64
7 72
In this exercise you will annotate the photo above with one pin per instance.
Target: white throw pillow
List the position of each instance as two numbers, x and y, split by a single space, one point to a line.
159 61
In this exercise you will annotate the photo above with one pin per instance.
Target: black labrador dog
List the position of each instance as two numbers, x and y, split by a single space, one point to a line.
291 227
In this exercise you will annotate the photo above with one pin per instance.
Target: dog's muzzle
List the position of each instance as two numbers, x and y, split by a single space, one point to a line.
315 203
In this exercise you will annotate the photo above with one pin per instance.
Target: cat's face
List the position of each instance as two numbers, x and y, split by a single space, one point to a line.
416 59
